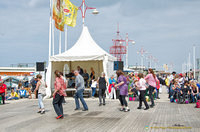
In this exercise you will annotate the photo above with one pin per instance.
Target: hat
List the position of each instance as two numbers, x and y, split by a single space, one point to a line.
181 74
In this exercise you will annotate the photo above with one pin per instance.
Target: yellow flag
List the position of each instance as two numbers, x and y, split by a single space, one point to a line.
70 13
58 14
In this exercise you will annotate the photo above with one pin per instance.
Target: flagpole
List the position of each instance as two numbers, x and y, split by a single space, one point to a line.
60 42
53 38
65 38
50 23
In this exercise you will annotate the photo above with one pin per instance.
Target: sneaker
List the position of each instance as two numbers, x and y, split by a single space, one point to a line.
122 109
42 112
59 117
139 107
100 104
127 110
85 110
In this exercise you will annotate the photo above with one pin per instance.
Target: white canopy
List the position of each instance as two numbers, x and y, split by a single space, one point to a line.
85 53
85 49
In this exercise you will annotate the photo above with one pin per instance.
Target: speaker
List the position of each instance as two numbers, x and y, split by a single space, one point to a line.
118 65
39 66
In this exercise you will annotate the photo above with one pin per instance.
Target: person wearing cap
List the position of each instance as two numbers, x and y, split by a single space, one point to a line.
3 90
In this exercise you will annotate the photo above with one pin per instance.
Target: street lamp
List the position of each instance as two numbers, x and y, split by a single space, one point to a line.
127 41
95 12
83 10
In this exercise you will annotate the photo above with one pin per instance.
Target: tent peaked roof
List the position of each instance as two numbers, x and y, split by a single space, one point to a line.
84 49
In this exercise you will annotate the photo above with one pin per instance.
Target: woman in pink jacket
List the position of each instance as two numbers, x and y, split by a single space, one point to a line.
152 81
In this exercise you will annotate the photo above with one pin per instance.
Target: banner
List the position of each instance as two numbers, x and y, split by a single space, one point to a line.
58 14
70 13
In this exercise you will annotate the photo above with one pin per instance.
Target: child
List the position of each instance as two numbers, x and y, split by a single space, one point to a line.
23 93
142 88
94 86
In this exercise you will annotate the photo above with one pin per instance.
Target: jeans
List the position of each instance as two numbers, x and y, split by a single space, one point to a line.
93 91
13 98
40 101
113 93
122 99
102 95
3 97
26 84
57 104
142 98
193 97
79 95
151 89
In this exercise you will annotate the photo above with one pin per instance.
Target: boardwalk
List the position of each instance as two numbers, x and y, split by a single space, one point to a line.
21 116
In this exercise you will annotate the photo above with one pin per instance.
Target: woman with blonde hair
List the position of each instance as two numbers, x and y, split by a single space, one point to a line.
195 92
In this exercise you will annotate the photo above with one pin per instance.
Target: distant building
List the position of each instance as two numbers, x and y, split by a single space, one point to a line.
17 71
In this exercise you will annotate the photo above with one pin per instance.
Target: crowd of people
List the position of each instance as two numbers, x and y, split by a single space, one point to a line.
183 88
23 90
144 87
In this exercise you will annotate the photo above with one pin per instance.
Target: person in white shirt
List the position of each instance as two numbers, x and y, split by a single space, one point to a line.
94 86
141 85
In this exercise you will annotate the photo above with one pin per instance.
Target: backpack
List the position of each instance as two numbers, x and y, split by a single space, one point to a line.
198 104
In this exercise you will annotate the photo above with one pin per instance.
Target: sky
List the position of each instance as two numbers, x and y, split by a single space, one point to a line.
165 28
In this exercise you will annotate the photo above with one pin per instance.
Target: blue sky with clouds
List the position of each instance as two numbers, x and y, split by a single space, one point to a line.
165 28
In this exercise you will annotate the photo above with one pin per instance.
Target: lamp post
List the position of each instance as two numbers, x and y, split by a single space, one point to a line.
127 41
83 7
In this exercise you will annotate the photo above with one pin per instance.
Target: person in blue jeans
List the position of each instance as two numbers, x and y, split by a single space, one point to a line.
79 85
94 86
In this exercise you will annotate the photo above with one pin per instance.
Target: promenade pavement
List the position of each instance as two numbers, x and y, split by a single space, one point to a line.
22 116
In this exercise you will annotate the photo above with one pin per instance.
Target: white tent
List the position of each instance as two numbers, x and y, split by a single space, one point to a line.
86 54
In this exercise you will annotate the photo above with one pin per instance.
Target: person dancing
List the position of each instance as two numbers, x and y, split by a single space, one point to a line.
123 87
152 81
142 88
58 95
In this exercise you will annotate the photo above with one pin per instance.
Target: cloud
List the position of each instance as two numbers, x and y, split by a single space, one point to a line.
165 28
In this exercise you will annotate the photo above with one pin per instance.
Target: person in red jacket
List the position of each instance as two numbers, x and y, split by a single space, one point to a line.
3 90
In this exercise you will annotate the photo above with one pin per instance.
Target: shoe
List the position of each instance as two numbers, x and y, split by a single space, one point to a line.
100 104
42 112
85 110
127 110
77 109
104 103
122 109
139 107
146 108
59 117
39 112
152 105
158 98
